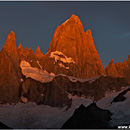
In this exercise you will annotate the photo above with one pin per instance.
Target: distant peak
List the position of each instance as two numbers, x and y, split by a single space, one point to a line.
38 50
10 43
11 35
26 48
20 45
12 32
129 57
124 61
74 18
112 61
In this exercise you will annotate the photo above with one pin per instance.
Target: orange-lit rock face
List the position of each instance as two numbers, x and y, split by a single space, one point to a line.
119 70
38 53
10 73
112 69
27 55
70 39
10 44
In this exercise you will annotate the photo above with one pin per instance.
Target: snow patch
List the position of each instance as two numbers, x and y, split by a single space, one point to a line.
21 80
120 110
35 73
56 55
62 66
65 22
39 64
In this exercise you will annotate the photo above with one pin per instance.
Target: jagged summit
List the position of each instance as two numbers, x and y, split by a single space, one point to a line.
20 45
68 36
10 44
70 39
112 61
74 18
38 52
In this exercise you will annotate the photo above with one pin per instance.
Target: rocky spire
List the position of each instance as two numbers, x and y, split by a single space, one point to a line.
70 39
66 36
21 50
10 44
20 46
38 52
111 69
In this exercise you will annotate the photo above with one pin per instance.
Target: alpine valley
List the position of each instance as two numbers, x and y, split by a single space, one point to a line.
67 87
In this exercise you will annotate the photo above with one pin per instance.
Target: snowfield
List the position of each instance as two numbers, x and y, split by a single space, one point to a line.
120 110
35 73
30 115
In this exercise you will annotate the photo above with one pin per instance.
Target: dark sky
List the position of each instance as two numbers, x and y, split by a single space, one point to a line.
35 22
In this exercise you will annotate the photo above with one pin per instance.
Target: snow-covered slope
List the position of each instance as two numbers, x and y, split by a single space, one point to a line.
120 110
32 116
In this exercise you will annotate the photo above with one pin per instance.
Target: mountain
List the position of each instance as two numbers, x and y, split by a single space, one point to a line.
73 51
69 74
71 67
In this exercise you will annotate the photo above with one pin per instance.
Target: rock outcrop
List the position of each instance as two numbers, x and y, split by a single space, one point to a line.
45 93
91 117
